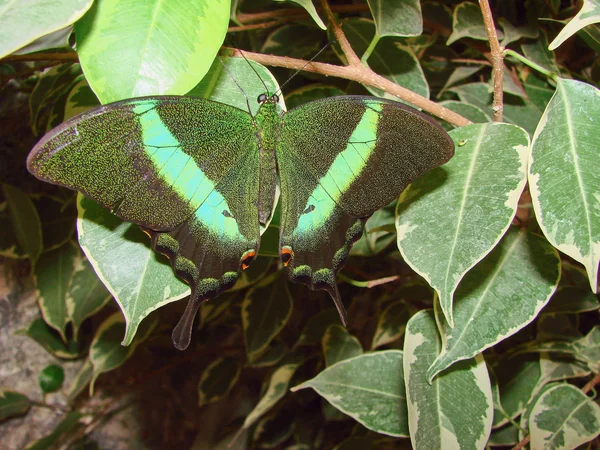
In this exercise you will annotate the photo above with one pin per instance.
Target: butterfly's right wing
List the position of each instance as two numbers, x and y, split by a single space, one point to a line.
184 169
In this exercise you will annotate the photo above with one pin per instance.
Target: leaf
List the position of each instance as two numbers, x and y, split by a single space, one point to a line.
571 299
397 17
373 242
159 47
588 14
559 368
461 208
296 40
51 340
56 39
70 422
467 21
265 311
107 352
25 221
563 180
390 59
501 295
12 404
272 355
471 112
437 414
51 378
317 325
81 380
563 418
217 380
538 52
368 388
513 34
310 9
57 219
277 388
338 345
391 324
24 21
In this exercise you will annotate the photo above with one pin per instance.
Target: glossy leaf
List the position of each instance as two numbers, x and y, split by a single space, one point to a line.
512 33
563 418
51 378
397 17
310 9
217 380
160 47
107 352
391 324
563 180
265 311
24 21
499 296
368 388
437 414
56 39
339 345
471 112
12 404
588 14
51 340
467 22
460 208
25 221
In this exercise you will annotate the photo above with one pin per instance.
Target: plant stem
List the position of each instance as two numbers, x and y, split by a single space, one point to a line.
370 49
497 59
531 64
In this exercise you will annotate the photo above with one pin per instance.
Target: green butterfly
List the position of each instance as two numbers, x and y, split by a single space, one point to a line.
201 178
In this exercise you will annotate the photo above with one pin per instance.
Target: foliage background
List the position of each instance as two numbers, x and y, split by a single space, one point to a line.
523 352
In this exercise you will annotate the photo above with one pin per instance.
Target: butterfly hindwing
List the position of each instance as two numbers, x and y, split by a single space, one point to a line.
184 169
341 159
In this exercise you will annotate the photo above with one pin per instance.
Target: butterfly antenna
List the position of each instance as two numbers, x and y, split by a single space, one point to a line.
303 67
237 84
254 70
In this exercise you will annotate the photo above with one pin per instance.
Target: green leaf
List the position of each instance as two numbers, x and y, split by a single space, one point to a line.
501 295
81 380
461 208
56 39
272 355
397 17
563 418
65 426
391 324
106 351
513 34
139 279
294 40
571 299
57 218
25 221
276 390
565 148
265 311
467 22
275 428
310 9
390 59
589 13
559 368
80 99
437 412
51 378
159 47
471 112
317 325
24 21
368 388
338 345
217 380
373 242
12 404
517 110
51 340
537 51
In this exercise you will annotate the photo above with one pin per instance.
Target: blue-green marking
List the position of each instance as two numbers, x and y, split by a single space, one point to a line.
346 167
180 171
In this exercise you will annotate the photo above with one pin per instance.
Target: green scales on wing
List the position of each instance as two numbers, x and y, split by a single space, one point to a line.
200 178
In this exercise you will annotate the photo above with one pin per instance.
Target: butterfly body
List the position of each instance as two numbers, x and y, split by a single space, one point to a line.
201 178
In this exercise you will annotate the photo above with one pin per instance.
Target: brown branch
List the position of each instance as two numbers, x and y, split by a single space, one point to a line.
301 13
497 59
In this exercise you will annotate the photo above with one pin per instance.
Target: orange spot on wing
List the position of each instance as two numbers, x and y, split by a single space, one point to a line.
248 258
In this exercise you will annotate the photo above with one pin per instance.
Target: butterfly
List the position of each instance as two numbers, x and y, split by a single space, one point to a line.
201 179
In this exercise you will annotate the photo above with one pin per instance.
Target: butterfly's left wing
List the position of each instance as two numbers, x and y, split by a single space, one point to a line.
340 159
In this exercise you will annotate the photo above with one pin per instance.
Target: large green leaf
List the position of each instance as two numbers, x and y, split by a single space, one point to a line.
499 296
467 22
461 211
23 21
588 14
563 174
456 410
397 17
158 47
310 9
368 388
563 418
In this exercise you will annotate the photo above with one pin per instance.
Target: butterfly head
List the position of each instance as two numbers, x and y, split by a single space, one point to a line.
265 98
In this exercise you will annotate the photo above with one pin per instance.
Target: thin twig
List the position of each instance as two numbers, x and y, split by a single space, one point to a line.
497 53
351 57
